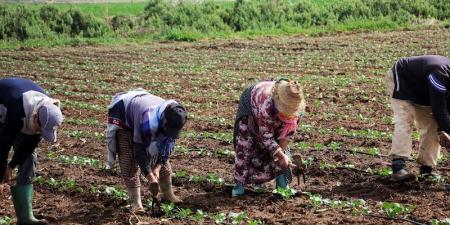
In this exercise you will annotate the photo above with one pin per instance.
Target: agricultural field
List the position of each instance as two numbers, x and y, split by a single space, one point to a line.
344 137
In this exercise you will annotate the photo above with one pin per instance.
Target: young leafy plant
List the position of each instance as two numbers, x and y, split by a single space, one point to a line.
116 192
316 200
285 193
219 218
238 218
168 208
215 179
254 222
440 222
393 209
183 214
200 215
5 220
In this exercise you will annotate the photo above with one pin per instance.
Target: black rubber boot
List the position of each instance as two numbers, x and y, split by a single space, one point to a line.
426 173
399 173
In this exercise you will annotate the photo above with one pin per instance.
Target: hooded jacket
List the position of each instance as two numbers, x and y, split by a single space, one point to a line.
20 100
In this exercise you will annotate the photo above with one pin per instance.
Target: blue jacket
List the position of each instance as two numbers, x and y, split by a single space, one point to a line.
12 114
425 80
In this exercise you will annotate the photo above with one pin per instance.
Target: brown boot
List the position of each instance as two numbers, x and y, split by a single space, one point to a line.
167 193
165 184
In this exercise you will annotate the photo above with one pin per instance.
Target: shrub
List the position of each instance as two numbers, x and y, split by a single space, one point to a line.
122 23
21 23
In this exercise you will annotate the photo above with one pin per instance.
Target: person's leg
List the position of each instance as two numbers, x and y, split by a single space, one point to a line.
285 178
402 139
244 142
429 148
165 183
128 168
22 191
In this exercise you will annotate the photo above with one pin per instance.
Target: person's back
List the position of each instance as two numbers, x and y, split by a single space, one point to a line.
412 75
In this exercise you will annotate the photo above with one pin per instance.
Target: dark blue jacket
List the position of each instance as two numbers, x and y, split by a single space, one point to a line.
425 80
11 98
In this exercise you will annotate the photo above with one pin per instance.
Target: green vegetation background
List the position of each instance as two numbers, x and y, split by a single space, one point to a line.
36 25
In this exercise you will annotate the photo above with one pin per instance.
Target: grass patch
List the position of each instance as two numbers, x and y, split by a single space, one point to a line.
49 25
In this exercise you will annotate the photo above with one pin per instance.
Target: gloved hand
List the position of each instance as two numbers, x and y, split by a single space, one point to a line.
444 139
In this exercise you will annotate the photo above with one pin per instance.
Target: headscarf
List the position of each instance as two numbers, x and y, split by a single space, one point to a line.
289 124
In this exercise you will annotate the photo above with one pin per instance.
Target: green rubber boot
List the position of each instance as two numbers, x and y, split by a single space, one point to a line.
281 181
238 190
22 198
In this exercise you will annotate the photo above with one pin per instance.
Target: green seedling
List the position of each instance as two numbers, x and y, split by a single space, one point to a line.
316 200
384 172
200 215
334 146
318 146
197 178
219 218
307 162
168 208
116 192
439 179
303 145
40 180
254 222
349 166
52 182
5 220
326 166
183 214
238 218
215 179
337 204
359 207
373 151
393 209
225 153
181 149
93 189
445 221
181 174
285 193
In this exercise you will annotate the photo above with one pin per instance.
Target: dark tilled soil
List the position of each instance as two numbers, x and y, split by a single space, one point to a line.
343 81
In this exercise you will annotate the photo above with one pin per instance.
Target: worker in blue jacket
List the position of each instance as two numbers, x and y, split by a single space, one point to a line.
27 113
419 90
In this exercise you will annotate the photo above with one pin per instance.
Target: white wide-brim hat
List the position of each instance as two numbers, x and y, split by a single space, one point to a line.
288 97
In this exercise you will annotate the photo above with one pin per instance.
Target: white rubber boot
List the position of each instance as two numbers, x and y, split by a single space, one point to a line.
136 202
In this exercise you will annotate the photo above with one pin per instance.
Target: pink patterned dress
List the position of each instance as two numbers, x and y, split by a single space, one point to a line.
257 139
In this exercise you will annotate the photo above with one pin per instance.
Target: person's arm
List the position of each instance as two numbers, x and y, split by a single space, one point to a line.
7 135
266 133
5 146
140 155
438 98
24 150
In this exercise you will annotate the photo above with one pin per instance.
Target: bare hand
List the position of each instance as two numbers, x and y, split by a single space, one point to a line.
1 189
444 139
283 161
152 178
8 174
155 170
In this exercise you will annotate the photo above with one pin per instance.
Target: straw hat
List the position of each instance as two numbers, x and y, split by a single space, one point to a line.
288 97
